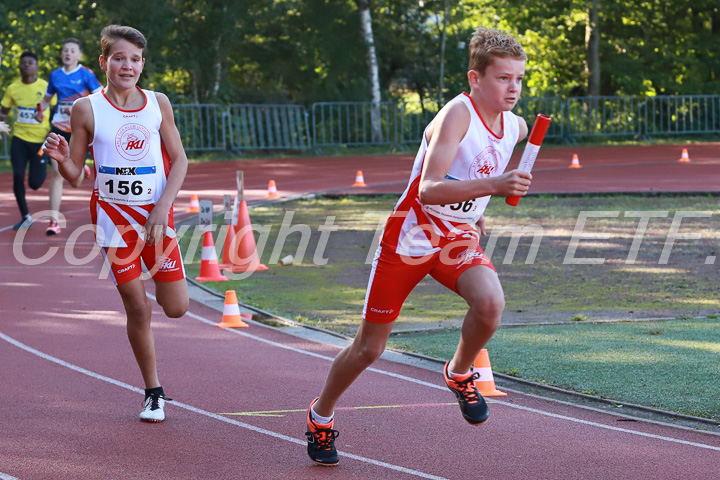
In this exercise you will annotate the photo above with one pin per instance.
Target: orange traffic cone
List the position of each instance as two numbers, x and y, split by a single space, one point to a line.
486 384
359 180
272 189
231 312
240 252
684 158
575 162
194 204
227 251
209 269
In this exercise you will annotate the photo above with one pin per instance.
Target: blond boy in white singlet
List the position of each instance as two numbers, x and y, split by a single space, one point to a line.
433 230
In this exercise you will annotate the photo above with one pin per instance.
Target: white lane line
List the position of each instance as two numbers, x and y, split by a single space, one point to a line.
443 388
5 476
214 416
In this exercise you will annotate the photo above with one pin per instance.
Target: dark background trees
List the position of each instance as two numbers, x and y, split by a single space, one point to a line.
303 51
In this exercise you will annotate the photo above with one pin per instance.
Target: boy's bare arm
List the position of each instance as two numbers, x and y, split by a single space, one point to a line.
156 224
449 128
173 144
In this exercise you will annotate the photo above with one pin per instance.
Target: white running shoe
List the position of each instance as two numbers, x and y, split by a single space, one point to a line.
153 408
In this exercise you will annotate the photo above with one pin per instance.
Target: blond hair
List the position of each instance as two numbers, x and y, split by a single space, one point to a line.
488 43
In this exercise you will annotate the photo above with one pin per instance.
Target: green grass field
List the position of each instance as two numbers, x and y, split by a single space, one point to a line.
645 363
671 365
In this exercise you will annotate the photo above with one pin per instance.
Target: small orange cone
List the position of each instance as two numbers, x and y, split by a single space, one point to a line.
684 158
194 204
240 252
231 312
486 383
209 268
575 162
272 189
359 180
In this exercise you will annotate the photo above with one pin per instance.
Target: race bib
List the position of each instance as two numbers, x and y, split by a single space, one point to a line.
463 212
27 115
62 114
127 185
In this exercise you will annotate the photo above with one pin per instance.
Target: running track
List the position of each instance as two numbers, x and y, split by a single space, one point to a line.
70 390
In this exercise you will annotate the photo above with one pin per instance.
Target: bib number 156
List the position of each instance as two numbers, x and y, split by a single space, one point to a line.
125 187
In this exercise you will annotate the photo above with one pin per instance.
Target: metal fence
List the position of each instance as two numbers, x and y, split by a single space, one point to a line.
201 126
555 107
603 116
211 127
690 114
350 123
267 127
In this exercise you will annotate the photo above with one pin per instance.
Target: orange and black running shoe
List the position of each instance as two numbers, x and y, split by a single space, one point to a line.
472 405
321 441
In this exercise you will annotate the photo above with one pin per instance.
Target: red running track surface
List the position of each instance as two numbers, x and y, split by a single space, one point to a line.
70 390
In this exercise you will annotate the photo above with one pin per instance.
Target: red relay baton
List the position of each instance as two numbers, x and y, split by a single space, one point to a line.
537 135
38 107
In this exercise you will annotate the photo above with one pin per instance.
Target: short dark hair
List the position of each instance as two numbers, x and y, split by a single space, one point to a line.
28 53
113 33
75 41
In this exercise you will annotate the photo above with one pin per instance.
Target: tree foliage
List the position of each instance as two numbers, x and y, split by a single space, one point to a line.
303 51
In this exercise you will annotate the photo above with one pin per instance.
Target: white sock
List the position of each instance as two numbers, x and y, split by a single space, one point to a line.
319 419
453 374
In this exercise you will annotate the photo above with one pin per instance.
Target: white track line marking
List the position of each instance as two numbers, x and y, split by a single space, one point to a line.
199 411
443 388
5 476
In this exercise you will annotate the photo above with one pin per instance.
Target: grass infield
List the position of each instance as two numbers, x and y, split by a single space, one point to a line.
671 365
619 269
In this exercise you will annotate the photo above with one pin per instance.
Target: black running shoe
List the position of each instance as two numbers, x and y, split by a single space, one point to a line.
321 441
472 405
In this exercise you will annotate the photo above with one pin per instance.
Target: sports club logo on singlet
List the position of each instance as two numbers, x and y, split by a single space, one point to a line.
132 142
485 163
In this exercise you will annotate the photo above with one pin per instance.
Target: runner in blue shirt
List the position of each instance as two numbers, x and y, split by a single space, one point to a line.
70 82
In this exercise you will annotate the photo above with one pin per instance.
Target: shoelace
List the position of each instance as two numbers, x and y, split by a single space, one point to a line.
324 437
467 387
155 401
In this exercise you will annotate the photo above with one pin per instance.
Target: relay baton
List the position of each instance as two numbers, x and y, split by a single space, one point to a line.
38 107
537 134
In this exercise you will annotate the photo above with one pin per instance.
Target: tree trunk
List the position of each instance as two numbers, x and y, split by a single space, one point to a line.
366 22
592 41
218 67
443 41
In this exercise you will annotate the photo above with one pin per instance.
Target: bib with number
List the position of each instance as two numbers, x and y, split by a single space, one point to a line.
127 185
62 114
463 212
27 115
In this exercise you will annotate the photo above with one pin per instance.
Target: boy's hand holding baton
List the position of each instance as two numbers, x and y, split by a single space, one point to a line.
537 135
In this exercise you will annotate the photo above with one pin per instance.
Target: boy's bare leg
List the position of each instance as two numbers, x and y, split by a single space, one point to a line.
173 297
481 289
138 311
56 189
367 347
